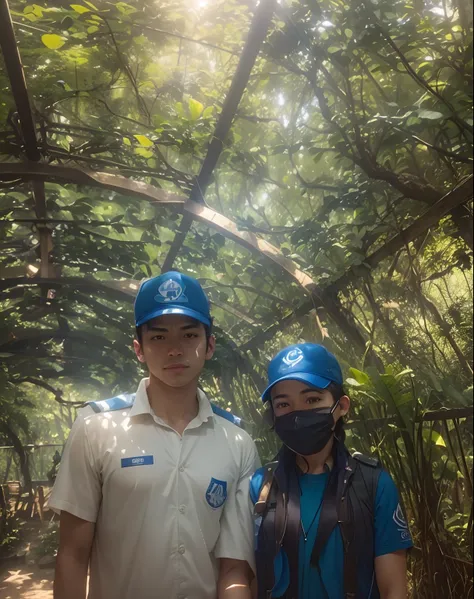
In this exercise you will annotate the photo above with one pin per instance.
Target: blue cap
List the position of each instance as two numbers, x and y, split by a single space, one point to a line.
171 293
306 362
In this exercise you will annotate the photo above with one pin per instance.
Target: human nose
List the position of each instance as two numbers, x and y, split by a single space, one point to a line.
175 350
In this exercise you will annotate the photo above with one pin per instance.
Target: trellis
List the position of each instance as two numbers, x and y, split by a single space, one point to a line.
35 166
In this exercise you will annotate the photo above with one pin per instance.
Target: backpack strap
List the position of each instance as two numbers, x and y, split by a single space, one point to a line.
120 402
352 524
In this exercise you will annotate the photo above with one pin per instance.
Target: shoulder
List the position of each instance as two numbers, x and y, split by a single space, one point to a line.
94 412
236 436
113 404
366 460
386 488
225 415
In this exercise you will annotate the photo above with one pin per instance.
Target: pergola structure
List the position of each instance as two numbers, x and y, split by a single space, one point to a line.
36 165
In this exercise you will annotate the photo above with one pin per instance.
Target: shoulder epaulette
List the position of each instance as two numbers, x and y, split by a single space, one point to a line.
120 402
227 415
366 460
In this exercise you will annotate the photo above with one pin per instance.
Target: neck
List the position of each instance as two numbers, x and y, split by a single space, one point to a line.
315 464
177 406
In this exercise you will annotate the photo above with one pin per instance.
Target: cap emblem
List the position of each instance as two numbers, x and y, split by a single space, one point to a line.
293 357
170 291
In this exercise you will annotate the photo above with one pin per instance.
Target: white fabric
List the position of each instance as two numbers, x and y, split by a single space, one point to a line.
157 534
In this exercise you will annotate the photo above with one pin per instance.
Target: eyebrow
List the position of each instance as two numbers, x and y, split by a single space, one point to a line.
304 392
185 327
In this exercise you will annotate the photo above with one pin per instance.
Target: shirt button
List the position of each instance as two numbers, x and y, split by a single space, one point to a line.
182 508
182 550
181 468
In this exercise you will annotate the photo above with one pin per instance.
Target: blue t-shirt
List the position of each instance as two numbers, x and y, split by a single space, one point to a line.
390 529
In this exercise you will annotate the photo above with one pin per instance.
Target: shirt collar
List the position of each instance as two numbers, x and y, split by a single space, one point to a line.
141 405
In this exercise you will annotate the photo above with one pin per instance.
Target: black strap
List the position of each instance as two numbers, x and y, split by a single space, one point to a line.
291 542
346 526
338 483
356 518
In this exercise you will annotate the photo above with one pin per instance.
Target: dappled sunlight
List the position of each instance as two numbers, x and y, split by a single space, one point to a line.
27 583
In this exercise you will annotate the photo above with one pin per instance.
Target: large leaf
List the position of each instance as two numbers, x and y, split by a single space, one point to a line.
195 109
53 41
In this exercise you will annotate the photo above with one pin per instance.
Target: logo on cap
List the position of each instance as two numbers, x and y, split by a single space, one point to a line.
170 291
293 357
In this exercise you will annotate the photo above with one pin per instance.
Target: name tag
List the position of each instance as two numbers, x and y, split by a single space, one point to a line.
143 460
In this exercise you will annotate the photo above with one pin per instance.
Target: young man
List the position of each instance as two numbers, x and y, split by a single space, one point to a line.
153 488
329 525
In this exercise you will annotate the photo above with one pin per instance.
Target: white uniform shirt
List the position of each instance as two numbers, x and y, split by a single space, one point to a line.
166 507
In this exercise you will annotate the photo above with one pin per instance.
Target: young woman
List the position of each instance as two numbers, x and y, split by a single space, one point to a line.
329 525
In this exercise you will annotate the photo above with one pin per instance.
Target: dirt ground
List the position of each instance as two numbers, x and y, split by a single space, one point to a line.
27 581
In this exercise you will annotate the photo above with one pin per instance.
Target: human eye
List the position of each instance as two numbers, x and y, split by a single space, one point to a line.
281 405
313 400
157 338
191 336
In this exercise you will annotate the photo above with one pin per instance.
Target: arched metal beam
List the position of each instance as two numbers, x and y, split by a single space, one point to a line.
120 184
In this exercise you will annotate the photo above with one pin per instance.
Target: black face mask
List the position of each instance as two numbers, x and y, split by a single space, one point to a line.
306 432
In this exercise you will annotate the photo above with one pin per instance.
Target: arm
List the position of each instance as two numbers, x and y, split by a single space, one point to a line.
391 574
235 546
234 579
392 540
75 543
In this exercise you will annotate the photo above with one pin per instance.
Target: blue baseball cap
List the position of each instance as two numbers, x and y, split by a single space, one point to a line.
305 362
171 293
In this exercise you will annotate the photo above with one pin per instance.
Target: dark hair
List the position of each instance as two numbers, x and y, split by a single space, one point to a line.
337 391
207 329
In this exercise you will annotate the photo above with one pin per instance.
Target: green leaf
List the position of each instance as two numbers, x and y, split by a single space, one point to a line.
126 141
208 112
143 152
195 109
79 8
53 41
34 9
361 377
353 383
333 49
144 141
434 437
431 115
349 33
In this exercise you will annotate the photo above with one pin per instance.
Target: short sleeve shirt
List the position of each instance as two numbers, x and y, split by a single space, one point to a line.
166 506
390 530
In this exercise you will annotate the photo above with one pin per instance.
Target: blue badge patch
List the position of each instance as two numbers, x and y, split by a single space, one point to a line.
142 460
216 493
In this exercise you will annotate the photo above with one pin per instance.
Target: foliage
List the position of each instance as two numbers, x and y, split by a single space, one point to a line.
10 534
432 464
48 541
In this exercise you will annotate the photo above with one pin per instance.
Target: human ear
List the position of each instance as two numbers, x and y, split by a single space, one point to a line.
137 347
211 347
344 405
